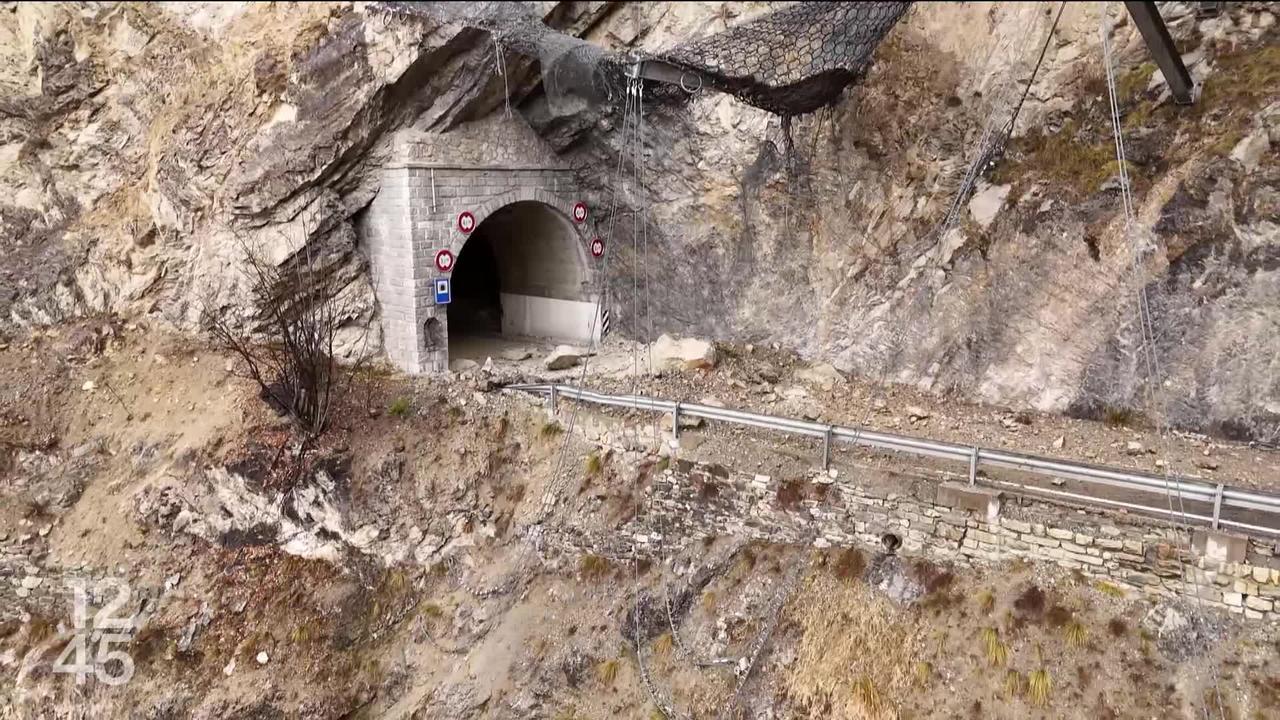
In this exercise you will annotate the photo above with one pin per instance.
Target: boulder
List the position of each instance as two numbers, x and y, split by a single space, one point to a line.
563 358
683 354
824 375
516 354
462 365
987 202
1250 151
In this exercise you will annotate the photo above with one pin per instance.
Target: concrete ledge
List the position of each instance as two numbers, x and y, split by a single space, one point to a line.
1219 546
966 497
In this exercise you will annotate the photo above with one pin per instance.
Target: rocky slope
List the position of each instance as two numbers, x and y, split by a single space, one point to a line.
145 148
431 557
1031 300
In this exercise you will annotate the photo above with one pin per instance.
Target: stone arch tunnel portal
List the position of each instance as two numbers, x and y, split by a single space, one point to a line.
521 274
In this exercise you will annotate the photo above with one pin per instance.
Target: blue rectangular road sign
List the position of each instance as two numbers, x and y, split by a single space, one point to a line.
442 291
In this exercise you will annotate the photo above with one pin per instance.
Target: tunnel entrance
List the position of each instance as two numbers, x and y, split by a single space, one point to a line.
521 275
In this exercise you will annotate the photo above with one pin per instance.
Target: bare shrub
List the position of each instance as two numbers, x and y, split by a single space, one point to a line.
849 565
790 493
1030 604
288 347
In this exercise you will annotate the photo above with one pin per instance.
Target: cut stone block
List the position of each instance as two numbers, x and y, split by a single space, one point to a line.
983 501
1219 546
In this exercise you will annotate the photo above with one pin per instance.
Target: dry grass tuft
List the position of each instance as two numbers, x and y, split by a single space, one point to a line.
866 698
1039 684
662 644
834 676
993 647
986 601
1039 688
593 566
1076 634
1065 158
594 465
550 430
924 672
1014 684
1107 588
607 671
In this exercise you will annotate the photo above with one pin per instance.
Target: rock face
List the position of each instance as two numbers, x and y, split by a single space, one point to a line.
147 148
1030 300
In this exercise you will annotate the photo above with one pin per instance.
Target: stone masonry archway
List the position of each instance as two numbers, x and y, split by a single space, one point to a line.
523 271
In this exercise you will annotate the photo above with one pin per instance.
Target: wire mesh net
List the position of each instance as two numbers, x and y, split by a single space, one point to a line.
789 62
795 60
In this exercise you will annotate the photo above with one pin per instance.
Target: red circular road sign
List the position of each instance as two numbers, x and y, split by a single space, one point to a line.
444 260
580 212
597 247
466 222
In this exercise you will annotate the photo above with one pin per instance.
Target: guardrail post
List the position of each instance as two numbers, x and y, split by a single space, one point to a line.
552 400
973 466
826 448
1217 505
675 421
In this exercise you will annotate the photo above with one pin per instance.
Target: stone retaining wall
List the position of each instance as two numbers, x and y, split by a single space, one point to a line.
956 524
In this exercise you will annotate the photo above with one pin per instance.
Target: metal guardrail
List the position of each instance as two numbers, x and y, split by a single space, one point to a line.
1219 499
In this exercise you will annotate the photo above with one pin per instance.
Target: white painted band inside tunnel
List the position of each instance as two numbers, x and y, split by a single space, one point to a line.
543 317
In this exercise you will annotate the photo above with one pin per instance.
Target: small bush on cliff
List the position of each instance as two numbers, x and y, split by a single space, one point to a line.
593 566
1119 417
399 407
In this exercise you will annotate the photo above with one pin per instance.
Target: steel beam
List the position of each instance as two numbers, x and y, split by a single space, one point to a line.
1147 17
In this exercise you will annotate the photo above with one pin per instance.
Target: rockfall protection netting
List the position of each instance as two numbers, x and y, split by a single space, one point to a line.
792 61
795 60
